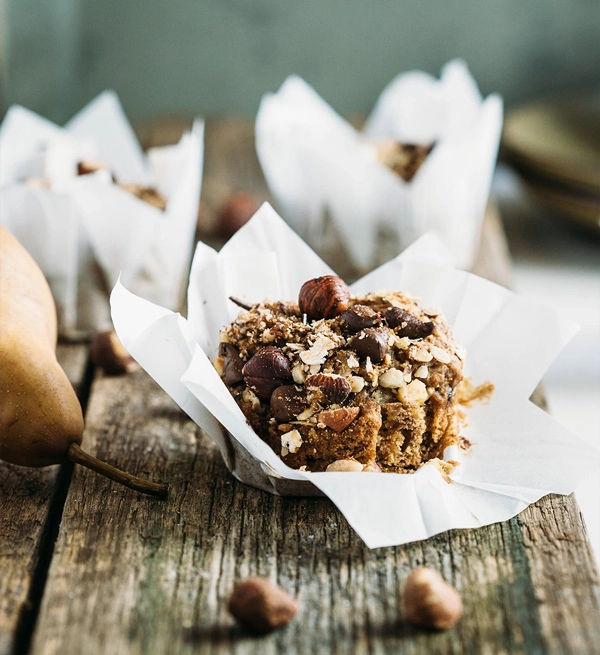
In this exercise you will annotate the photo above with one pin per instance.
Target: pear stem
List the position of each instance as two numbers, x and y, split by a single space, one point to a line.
79 456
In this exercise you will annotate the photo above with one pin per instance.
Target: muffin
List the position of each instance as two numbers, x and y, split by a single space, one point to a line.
341 382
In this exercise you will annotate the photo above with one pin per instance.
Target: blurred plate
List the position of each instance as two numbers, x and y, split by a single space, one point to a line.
581 208
557 140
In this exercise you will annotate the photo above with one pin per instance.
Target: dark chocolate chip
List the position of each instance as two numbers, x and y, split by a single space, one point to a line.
266 370
359 317
232 364
372 343
407 325
287 402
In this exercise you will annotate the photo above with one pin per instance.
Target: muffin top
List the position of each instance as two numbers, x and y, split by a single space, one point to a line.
341 382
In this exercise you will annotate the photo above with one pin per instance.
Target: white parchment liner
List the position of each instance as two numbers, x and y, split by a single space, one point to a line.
319 167
84 230
519 452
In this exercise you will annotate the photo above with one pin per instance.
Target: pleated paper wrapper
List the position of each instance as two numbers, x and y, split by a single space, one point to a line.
85 230
331 188
518 454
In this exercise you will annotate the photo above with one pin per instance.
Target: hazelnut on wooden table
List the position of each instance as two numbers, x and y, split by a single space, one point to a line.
108 353
235 212
430 601
261 606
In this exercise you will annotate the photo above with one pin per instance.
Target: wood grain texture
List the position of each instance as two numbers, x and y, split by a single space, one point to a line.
25 498
29 501
564 575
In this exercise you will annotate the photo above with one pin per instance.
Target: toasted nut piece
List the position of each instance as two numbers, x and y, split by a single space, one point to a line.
324 297
372 467
335 388
109 354
357 383
414 392
422 372
442 356
430 601
298 374
349 465
261 606
421 355
317 353
306 414
251 398
291 442
392 378
338 419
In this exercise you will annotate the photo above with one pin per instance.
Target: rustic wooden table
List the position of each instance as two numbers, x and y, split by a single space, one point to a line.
87 566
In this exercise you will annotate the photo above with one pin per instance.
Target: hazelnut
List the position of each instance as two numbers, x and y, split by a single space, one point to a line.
349 465
235 212
108 353
324 297
338 419
409 326
430 601
261 606
266 371
372 467
334 387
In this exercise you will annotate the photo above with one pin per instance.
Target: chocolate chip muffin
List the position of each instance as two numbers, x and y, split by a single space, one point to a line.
334 382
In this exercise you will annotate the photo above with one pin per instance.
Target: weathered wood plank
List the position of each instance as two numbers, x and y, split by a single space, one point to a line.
30 500
564 575
25 498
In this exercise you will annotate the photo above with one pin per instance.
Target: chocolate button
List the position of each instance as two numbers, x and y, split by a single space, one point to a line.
371 343
409 326
286 403
232 364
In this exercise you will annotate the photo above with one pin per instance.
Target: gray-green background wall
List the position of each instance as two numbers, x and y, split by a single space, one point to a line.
218 57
